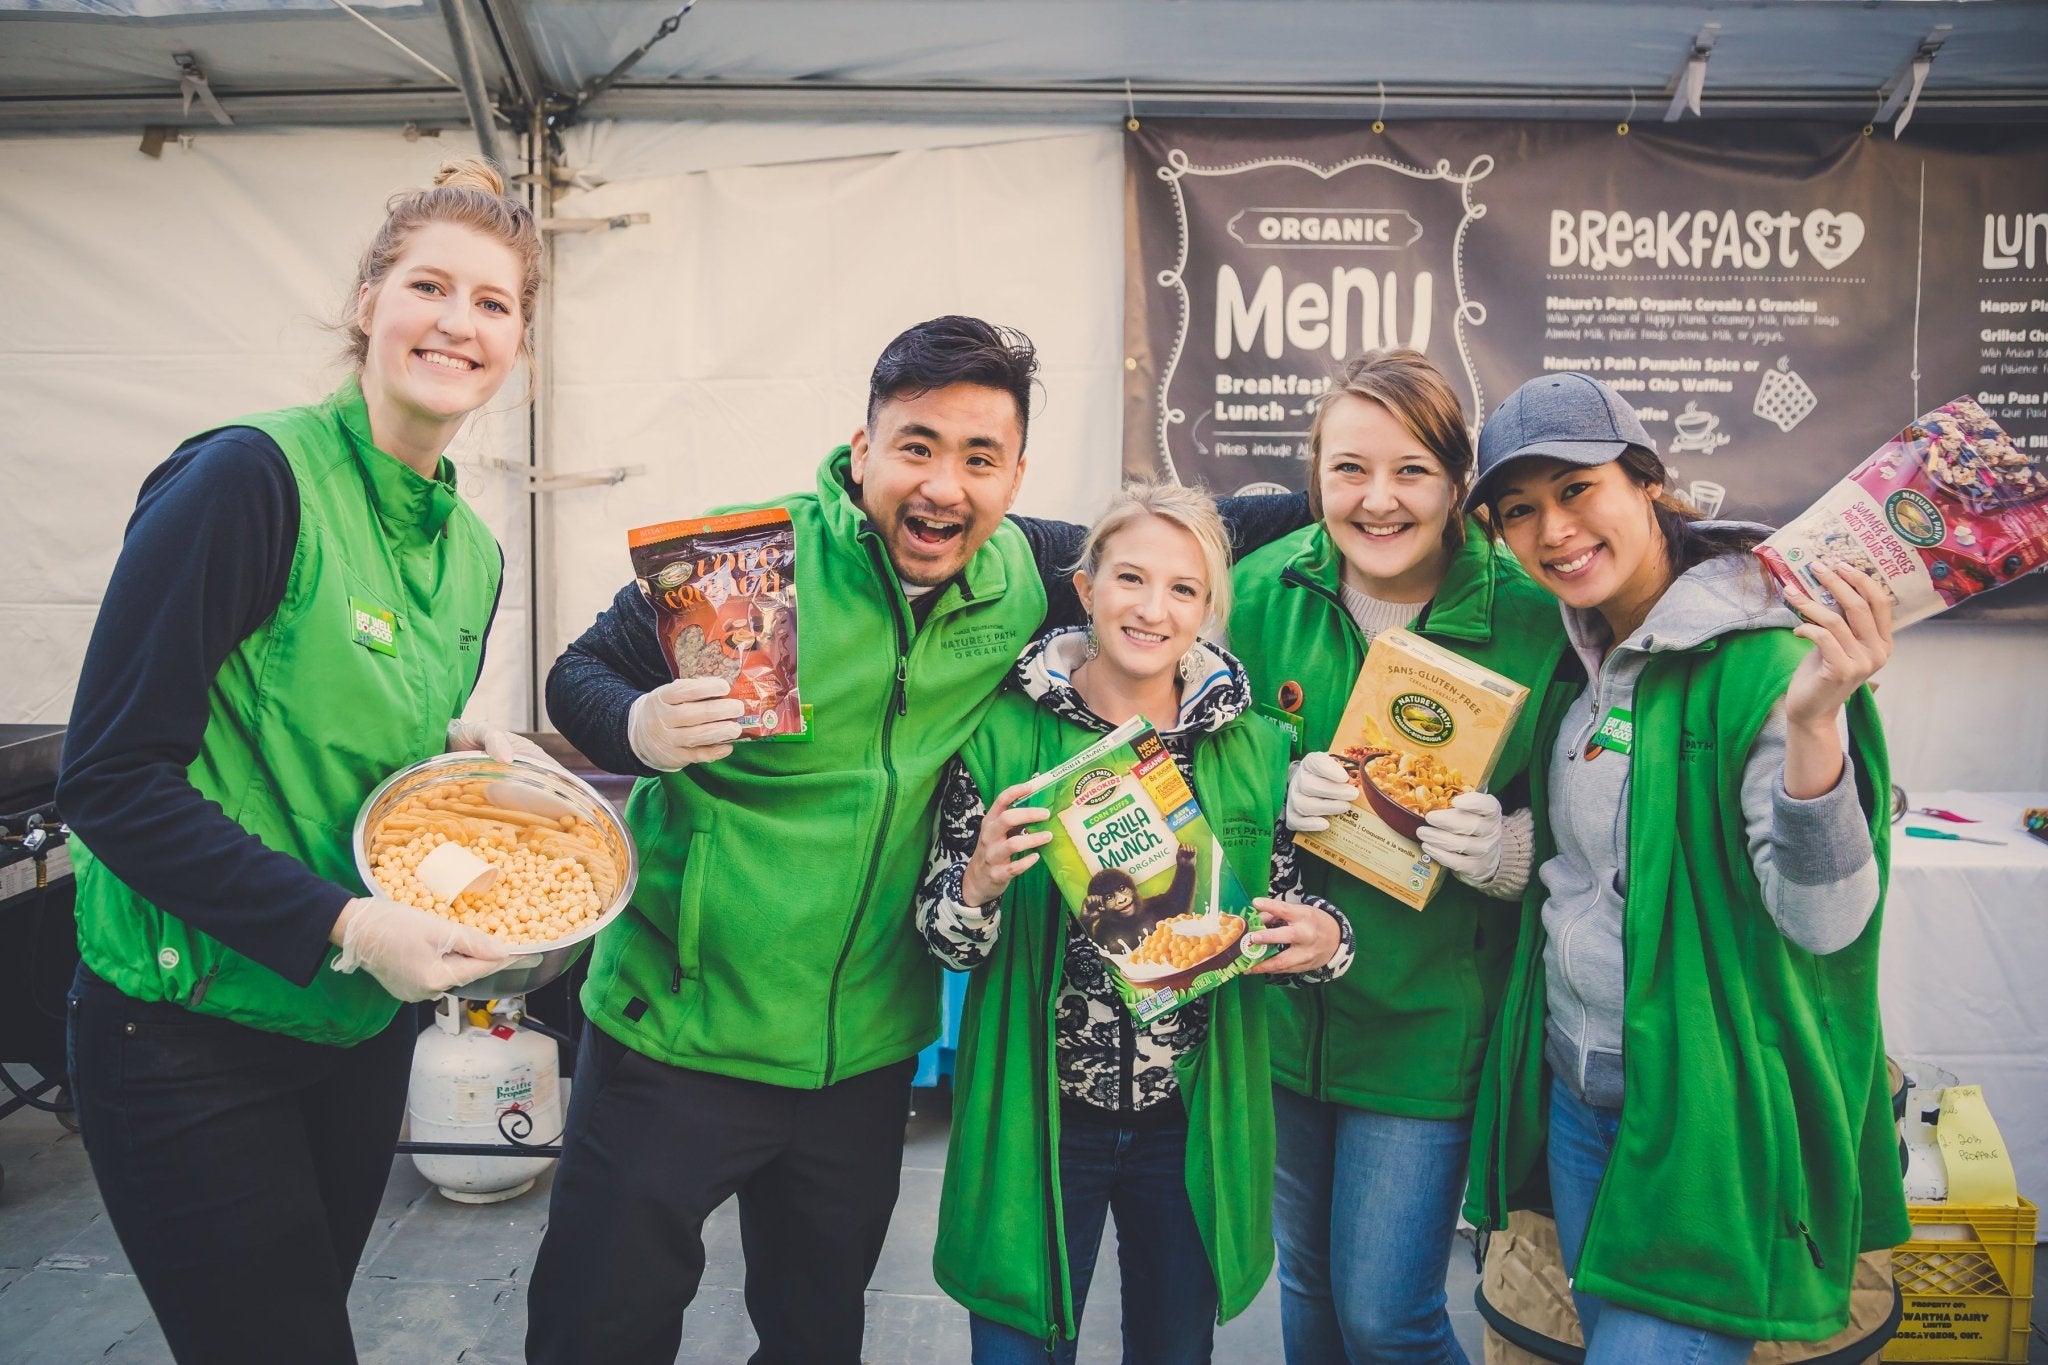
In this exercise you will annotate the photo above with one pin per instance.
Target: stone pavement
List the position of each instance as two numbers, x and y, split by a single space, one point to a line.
445 1282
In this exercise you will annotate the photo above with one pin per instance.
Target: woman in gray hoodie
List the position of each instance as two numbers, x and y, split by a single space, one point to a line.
1571 482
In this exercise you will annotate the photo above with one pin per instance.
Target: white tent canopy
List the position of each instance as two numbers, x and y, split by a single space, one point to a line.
115 63
721 346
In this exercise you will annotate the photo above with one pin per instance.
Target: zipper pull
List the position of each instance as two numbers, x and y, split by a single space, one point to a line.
675 980
902 685
201 987
1812 1249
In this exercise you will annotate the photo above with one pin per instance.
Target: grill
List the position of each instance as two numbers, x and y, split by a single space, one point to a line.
38 936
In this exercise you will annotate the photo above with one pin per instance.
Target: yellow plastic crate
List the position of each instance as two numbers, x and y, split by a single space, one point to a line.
1970 1297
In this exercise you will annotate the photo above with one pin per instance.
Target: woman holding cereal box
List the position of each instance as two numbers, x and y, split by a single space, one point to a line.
1698 964
1066 1108
299 609
1375 1074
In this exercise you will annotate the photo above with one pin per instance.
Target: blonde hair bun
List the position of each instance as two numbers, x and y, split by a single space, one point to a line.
469 193
470 173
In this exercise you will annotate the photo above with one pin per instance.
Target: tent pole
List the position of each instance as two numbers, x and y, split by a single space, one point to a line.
463 39
515 52
540 613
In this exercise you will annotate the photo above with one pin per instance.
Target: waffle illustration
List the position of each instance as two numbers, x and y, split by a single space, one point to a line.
1782 397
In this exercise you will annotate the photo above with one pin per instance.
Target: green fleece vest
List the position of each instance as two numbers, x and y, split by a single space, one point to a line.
1001 1239
1406 1032
303 720
770 936
1757 1156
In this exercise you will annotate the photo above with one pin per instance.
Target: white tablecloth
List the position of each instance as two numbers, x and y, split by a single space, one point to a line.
1963 972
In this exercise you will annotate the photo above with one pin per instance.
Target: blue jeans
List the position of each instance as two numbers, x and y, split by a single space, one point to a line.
1169 1291
1581 1141
1365 1207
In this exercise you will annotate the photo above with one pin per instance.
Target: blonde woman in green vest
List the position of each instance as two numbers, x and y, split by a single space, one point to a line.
1064 1108
1689 1053
299 608
1374 1076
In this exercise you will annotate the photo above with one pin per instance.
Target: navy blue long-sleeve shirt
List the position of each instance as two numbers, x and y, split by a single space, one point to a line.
204 563
593 686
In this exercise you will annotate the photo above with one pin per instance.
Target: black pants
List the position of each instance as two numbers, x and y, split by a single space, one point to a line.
241 1169
651 1150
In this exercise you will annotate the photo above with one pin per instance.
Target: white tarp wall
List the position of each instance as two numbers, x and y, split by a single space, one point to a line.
147 300
725 346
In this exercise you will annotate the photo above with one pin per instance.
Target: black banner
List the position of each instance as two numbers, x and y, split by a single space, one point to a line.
1777 300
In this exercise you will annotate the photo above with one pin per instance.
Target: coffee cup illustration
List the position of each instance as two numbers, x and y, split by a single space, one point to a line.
1697 431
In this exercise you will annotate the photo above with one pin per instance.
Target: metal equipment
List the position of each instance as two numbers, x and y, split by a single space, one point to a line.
38 937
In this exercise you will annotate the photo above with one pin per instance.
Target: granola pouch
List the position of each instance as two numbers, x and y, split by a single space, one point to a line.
723 590
1949 508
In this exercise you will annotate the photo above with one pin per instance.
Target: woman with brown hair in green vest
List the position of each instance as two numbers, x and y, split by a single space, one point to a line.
1065 1109
299 608
1374 1075
1689 1053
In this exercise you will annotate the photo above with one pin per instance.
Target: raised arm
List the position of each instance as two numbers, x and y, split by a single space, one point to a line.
976 852
611 695
1285 887
204 563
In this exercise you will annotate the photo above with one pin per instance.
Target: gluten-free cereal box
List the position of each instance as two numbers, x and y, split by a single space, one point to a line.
1143 874
1423 726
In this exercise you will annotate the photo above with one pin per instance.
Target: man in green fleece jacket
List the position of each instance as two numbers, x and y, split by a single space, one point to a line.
758 1009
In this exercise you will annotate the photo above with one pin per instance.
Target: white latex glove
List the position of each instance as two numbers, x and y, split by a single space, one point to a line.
498 742
1318 788
414 954
1465 838
691 720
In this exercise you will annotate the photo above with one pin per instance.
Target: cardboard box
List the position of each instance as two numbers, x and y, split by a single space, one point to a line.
1143 874
1422 726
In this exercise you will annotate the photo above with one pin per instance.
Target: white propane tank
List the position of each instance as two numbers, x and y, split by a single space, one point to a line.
479 1078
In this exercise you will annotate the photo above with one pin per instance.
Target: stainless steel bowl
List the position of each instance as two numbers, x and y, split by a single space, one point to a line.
536 964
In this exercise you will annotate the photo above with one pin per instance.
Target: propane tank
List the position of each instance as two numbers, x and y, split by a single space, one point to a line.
477 1077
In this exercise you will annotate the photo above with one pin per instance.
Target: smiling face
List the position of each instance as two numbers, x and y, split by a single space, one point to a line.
444 332
1386 501
1148 598
1588 534
937 471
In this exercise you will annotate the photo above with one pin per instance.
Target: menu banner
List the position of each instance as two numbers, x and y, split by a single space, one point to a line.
1777 300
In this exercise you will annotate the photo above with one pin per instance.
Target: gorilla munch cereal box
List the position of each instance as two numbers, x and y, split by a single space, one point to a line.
1142 873
1422 727
723 591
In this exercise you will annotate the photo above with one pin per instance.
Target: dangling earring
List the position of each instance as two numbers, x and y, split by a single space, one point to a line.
1093 649
1190 665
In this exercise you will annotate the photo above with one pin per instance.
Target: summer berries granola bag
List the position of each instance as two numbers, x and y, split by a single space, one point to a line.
1948 508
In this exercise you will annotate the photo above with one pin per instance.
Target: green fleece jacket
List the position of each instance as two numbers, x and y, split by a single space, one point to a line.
1405 1031
369 655
770 934
1000 1246
1756 1156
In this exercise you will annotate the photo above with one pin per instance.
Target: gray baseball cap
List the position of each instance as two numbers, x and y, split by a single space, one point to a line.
1571 417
